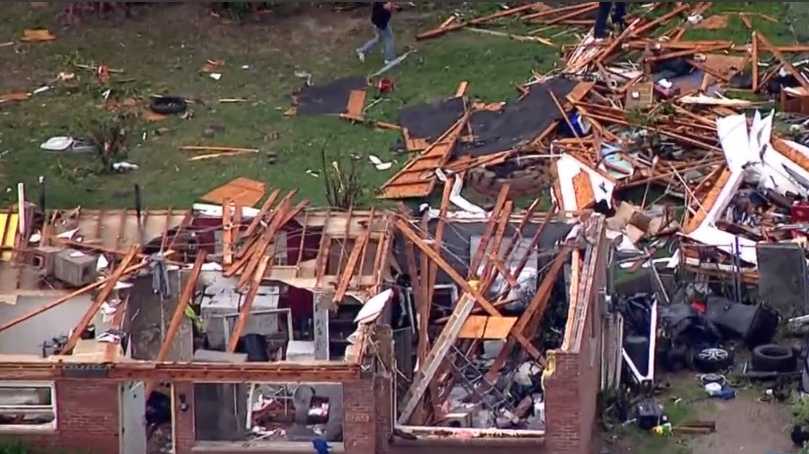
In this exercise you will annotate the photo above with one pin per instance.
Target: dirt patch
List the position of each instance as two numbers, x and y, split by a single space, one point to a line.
745 425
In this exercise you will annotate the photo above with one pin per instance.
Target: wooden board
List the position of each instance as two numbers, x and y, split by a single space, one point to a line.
417 178
645 96
484 327
708 202
242 191
584 190
356 103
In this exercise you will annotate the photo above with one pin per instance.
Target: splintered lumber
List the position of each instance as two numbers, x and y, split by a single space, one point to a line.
265 208
664 18
586 9
708 202
564 9
221 155
100 299
487 233
282 218
249 249
66 298
533 314
417 178
787 64
247 305
442 345
227 236
457 26
411 235
220 149
353 260
179 310
535 39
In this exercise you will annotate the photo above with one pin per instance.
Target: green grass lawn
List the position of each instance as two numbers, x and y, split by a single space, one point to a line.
161 52
162 49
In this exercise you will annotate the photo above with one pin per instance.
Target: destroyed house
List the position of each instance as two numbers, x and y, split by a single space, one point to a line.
267 330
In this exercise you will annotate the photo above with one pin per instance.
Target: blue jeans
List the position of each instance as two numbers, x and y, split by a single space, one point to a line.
386 35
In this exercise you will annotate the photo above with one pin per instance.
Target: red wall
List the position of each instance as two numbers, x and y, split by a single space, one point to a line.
87 419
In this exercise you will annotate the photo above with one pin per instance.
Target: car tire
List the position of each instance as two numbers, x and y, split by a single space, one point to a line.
712 359
773 358
168 105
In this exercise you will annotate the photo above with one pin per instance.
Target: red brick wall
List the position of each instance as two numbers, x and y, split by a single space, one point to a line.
184 436
359 404
87 419
571 392
364 412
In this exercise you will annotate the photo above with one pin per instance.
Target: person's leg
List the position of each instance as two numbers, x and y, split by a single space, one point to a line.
601 19
618 14
387 41
368 46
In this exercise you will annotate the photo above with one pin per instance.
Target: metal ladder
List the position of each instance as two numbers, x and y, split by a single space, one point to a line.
475 382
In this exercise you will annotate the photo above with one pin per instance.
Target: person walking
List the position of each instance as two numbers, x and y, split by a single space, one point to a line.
381 13
618 11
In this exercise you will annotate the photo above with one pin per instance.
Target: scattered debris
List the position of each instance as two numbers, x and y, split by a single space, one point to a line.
37 36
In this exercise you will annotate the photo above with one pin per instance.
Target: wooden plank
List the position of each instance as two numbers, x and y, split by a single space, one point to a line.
583 189
344 242
664 18
100 299
265 208
356 103
248 255
435 156
483 246
183 302
351 265
247 305
564 9
65 299
303 240
244 191
227 234
708 202
485 327
462 88
408 232
790 153
432 275
509 12
787 64
571 15
279 221
535 311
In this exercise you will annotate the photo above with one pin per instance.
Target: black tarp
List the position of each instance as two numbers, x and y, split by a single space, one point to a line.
429 121
328 99
518 121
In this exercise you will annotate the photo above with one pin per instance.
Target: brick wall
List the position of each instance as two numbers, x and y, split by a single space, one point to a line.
571 391
184 435
87 419
362 403
359 403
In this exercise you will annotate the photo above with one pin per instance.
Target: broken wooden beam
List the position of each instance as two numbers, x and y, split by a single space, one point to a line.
179 310
100 299
247 305
417 241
